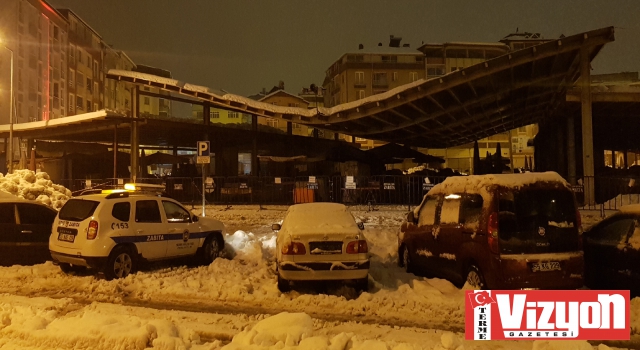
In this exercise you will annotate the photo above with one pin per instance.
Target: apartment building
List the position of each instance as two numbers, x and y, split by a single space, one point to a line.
37 35
85 62
282 98
117 95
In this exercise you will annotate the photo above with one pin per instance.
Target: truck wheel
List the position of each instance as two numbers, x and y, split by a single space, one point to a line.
121 263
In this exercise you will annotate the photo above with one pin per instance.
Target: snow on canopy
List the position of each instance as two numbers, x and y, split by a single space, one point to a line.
319 218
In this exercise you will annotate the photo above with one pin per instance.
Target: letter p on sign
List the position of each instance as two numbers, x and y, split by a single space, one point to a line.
203 148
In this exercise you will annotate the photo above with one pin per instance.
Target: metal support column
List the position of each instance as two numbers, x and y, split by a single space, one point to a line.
587 127
115 151
315 133
512 165
571 151
134 134
254 151
289 128
206 114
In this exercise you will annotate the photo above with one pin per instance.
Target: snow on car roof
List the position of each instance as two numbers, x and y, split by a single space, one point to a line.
319 218
458 184
630 209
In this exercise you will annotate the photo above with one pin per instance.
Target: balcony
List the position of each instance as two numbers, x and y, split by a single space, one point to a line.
360 84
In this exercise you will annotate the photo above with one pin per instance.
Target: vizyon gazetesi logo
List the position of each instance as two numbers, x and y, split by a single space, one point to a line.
547 314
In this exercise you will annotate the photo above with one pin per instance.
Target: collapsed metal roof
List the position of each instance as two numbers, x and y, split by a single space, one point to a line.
513 90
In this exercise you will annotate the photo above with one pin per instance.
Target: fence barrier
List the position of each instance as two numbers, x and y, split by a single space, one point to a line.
406 190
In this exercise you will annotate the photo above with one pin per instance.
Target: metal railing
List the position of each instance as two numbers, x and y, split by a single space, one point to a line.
610 193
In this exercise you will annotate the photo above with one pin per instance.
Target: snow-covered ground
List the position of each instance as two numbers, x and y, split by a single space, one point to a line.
226 299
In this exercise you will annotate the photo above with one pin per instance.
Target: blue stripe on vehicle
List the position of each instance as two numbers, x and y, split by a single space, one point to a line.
160 237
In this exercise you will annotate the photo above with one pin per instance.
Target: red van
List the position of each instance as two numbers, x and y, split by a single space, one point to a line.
512 231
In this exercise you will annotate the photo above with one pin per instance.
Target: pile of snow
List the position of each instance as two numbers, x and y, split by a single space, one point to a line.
26 184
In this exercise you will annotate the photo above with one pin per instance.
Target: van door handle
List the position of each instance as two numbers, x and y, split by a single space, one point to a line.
26 231
139 231
173 230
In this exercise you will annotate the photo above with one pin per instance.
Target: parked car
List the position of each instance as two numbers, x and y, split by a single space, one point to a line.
612 252
25 227
113 232
496 232
321 242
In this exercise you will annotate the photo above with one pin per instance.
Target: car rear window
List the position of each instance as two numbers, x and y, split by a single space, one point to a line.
536 220
78 209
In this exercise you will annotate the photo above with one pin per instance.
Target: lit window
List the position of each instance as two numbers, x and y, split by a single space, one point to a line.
414 76
361 94
233 115
147 100
214 115
359 77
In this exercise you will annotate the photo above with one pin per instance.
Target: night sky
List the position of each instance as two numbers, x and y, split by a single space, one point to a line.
244 45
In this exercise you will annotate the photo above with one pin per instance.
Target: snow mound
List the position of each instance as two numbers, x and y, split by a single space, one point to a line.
246 246
286 328
26 184
565 345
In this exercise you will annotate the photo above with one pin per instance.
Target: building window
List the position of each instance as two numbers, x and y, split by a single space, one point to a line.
79 102
233 115
389 59
95 88
89 84
414 76
361 94
95 107
80 79
419 59
88 106
79 57
379 79
71 99
296 126
55 33
522 129
435 72
147 100
359 78
272 122
214 115
55 89
394 76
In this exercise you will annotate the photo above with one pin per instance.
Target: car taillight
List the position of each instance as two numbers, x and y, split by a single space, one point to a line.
294 248
92 232
357 247
492 232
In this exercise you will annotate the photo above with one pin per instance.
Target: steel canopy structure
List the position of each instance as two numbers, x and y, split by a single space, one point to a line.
516 89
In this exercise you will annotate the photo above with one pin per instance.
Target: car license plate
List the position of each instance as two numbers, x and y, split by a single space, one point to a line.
66 237
546 266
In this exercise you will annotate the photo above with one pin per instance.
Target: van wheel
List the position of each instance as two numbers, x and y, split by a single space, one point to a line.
211 249
406 260
475 279
283 284
120 263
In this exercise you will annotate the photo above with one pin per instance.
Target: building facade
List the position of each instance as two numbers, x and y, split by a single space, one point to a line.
38 36
85 62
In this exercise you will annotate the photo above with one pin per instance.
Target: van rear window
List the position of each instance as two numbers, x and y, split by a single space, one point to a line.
78 209
537 220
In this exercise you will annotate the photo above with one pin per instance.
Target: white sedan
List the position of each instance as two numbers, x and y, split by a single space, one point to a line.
321 241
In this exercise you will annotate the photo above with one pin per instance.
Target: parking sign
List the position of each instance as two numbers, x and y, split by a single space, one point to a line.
203 152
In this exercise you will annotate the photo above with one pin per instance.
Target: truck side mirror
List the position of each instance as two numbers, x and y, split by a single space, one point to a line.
276 227
194 218
411 218
361 225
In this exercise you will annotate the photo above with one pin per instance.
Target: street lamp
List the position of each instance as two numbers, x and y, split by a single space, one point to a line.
10 151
